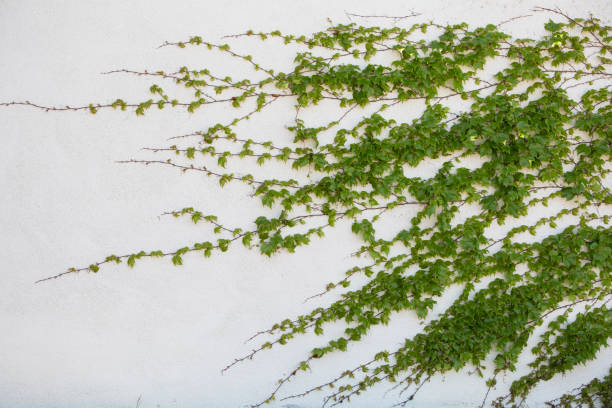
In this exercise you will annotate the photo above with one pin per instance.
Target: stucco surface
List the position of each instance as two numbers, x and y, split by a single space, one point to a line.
157 335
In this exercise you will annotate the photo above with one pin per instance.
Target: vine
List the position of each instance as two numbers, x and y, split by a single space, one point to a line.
539 132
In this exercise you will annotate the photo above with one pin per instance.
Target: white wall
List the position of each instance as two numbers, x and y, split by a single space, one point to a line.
158 332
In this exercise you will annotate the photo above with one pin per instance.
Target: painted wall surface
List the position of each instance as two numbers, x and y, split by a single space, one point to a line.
158 334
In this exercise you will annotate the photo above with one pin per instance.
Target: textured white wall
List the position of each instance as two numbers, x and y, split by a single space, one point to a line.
158 332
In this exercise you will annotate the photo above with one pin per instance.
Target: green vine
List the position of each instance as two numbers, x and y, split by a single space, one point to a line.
539 131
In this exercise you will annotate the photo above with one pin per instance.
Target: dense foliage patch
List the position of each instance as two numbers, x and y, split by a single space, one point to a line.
538 127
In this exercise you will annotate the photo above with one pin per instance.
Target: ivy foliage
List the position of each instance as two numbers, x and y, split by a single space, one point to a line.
539 128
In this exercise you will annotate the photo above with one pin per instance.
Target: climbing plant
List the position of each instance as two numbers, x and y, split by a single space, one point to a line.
516 214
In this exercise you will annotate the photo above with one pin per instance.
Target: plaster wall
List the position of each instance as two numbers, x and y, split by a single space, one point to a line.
157 335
